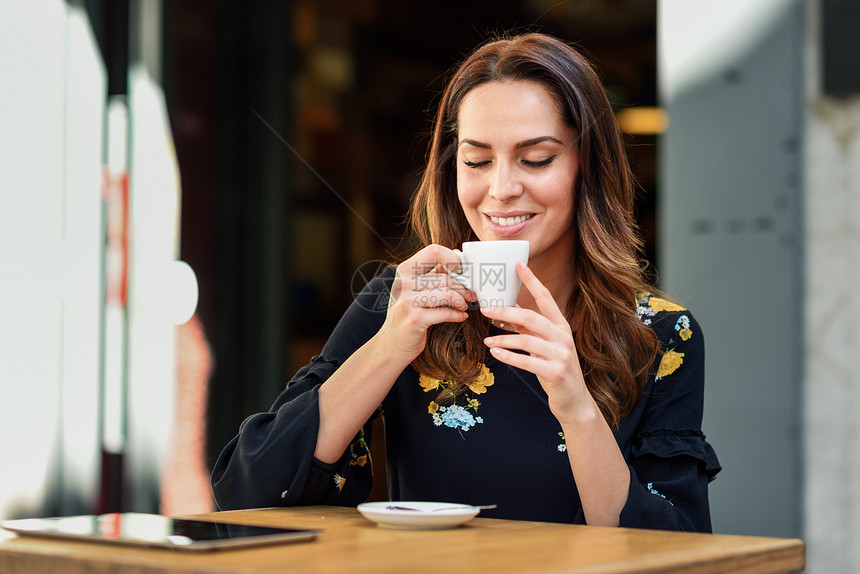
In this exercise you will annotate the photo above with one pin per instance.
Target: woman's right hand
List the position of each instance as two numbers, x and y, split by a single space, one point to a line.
423 294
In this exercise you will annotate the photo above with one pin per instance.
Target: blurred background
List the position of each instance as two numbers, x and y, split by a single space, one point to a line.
192 192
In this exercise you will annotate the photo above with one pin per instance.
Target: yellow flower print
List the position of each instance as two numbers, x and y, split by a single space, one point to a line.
683 328
658 305
669 363
432 407
485 379
360 461
339 481
428 384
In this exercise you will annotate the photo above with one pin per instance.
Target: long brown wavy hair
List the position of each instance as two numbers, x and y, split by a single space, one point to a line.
615 348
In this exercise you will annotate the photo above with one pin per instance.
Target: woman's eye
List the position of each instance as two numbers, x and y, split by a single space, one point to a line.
540 163
468 163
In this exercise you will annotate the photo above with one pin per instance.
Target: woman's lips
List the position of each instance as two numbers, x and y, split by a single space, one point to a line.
507 226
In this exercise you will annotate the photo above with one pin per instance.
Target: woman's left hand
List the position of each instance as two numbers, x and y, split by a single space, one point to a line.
548 339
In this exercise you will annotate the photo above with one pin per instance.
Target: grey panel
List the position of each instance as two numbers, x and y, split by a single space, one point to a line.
731 249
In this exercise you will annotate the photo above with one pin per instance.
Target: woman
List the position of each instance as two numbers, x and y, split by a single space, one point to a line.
581 404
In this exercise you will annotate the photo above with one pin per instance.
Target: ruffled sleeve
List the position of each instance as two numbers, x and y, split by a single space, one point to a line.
668 444
669 475
271 463
670 461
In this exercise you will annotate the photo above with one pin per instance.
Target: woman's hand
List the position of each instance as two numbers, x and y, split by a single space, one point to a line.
547 338
423 294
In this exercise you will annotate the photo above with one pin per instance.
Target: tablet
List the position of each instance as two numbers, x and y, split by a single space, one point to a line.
154 530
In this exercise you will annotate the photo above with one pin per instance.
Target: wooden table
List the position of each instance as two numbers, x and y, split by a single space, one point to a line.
351 544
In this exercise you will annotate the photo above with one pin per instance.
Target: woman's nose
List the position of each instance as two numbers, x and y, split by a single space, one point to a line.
504 184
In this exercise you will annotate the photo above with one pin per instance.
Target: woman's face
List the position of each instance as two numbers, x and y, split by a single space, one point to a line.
516 167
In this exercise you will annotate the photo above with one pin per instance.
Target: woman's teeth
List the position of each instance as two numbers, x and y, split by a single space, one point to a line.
508 221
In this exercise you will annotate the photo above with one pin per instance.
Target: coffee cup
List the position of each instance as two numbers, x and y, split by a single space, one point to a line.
489 268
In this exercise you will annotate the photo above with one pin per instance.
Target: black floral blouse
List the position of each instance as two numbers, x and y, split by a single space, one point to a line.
497 444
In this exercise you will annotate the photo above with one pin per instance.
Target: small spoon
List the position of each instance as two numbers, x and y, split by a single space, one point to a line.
458 507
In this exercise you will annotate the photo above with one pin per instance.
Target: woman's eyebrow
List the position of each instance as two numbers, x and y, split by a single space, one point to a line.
474 143
518 145
535 141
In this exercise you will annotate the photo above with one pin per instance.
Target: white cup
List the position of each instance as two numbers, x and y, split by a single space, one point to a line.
489 268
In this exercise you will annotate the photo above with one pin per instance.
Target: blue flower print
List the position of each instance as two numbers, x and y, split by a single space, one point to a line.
458 416
455 417
654 491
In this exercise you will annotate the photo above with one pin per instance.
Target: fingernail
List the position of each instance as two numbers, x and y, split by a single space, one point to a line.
488 341
487 309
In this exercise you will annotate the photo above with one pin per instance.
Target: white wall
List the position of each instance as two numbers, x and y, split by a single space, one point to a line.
52 246
51 114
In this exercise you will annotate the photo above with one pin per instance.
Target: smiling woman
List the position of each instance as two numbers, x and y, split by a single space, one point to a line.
525 146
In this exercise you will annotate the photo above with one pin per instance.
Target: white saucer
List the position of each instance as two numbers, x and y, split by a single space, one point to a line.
446 515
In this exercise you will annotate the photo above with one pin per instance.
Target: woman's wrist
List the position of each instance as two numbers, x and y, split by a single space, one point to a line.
583 413
389 349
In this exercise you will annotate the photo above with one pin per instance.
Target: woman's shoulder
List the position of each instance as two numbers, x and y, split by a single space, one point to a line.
650 306
666 317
